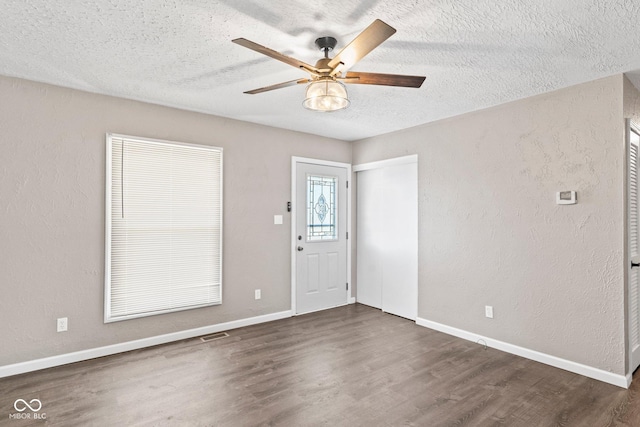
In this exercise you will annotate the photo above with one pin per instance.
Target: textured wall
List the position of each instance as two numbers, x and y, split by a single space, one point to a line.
52 185
491 233
631 101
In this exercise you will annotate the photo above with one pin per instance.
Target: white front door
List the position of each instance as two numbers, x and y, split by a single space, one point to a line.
320 237
633 140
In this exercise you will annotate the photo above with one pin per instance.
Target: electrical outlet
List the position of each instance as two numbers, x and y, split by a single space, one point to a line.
258 294
488 311
62 324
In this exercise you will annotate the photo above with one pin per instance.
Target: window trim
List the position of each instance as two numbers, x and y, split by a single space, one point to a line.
108 222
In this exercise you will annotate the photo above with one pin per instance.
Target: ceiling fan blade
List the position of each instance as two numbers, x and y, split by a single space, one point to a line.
278 86
275 55
365 42
383 79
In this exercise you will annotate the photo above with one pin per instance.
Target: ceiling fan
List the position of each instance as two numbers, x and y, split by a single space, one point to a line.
326 91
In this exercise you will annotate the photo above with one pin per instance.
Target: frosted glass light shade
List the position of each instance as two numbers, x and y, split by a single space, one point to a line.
326 95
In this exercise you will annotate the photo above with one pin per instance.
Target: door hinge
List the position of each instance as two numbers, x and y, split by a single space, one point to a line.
347 184
347 235
347 288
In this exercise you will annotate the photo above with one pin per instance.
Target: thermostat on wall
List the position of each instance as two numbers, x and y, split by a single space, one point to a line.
566 198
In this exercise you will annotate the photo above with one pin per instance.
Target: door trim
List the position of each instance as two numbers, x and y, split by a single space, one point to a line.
404 160
630 126
294 167
627 258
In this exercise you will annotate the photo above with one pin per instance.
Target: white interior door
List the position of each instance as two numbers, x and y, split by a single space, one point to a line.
370 237
388 237
400 217
321 237
633 141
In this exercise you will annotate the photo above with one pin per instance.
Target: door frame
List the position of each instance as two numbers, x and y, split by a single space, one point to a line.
397 161
630 126
294 243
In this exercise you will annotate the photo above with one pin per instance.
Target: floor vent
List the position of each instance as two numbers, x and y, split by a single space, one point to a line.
214 337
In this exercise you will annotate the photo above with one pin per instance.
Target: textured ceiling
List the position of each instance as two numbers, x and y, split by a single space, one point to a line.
475 53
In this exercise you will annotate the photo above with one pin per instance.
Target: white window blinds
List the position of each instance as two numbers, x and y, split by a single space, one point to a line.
164 227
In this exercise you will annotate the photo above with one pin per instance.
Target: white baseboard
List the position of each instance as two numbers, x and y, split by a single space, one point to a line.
352 300
567 365
78 356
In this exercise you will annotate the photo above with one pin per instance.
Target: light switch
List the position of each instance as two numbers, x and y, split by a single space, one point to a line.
277 219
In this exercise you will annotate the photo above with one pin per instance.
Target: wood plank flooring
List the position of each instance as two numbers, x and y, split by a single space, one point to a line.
349 366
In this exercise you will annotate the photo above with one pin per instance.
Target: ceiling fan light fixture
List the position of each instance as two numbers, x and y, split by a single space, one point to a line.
326 95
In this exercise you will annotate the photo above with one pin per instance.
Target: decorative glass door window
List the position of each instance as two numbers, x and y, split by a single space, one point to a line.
322 198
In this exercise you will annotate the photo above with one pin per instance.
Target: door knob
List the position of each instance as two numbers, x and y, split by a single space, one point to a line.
633 264
300 248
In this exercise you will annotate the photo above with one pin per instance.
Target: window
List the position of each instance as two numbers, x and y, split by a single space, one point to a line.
163 227
321 208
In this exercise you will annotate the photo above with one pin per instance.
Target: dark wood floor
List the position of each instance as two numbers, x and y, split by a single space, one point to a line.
350 366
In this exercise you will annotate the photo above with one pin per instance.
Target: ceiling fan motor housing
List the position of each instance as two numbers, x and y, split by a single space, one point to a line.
326 43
